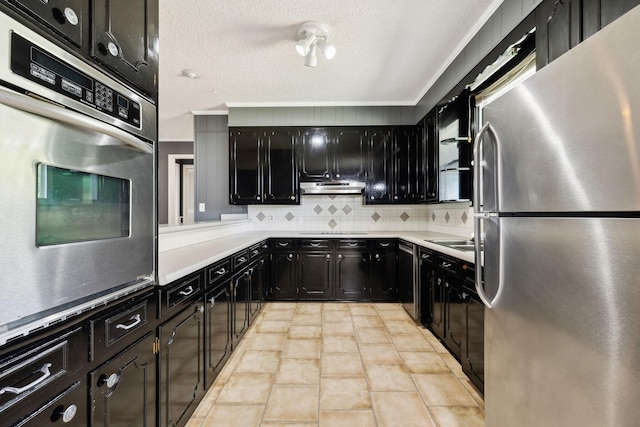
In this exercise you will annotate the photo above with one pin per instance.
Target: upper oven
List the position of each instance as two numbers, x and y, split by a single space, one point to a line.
78 192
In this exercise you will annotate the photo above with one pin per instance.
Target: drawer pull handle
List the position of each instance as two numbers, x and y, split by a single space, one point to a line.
212 301
353 244
242 259
385 245
136 321
283 244
446 264
314 244
221 271
45 374
187 291
255 252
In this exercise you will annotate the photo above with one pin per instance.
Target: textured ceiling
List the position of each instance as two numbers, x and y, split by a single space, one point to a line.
389 53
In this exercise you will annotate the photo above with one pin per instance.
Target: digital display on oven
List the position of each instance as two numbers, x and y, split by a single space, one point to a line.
74 206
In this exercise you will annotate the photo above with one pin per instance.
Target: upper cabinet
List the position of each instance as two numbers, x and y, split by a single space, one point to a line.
408 157
262 166
431 156
561 25
125 40
379 183
332 154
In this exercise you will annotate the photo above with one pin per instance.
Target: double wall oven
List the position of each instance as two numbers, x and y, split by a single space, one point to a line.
78 184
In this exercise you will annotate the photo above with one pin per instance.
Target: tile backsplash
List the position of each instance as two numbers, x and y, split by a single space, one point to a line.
346 213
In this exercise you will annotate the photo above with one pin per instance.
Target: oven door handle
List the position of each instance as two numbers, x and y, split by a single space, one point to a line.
58 113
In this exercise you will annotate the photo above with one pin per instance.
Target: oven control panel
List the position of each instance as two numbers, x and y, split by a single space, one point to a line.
34 63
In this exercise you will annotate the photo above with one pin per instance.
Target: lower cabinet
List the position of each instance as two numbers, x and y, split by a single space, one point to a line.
428 296
473 343
123 390
283 275
217 330
383 284
353 275
315 275
180 365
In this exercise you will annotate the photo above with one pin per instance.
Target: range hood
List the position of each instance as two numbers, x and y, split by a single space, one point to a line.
316 188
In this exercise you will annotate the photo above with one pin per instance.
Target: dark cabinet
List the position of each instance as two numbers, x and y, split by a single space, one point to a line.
125 39
123 390
257 278
240 297
245 167
180 385
217 330
283 284
315 275
379 183
428 296
383 282
473 343
562 25
353 271
409 164
329 154
405 276
262 166
41 383
431 156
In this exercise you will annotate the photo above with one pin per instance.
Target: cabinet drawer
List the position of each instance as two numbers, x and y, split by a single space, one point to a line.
387 245
427 256
256 251
352 243
217 272
468 275
448 264
282 243
315 243
39 372
183 291
66 408
240 259
119 328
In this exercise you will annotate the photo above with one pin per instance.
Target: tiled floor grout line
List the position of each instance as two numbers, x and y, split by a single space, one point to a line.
385 319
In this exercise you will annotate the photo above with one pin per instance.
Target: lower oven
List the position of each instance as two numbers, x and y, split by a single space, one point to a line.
78 193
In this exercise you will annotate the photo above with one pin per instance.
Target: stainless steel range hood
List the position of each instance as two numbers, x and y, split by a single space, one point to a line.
317 188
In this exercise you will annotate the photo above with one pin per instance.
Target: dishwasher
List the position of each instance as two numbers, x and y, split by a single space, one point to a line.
408 284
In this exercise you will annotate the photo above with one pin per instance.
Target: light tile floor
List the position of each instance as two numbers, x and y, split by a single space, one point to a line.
339 364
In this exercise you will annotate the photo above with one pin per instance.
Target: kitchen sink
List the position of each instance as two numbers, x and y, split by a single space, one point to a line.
461 245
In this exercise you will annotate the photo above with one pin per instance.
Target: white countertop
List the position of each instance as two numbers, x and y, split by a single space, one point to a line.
180 262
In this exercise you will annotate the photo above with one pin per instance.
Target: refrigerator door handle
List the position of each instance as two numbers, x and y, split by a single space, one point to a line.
477 228
478 203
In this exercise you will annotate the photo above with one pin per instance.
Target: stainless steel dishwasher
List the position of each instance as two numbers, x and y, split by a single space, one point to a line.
408 284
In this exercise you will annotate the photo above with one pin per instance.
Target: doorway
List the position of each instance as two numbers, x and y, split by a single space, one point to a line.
181 189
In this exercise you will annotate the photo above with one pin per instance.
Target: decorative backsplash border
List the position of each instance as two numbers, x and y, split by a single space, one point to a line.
346 213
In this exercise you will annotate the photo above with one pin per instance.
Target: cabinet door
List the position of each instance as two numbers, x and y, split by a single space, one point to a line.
408 165
217 346
123 390
557 29
352 276
428 285
473 343
125 39
454 315
245 167
349 153
438 315
180 359
378 187
283 284
383 276
431 155
316 278
281 167
257 281
315 164
240 296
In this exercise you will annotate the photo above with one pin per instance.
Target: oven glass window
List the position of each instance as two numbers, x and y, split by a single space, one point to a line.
77 206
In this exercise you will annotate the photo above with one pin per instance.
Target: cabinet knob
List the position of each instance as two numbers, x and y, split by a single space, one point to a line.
328 257
337 175
290 256
377 256
326 175
113 49
339 256
112 380
258 197
395 197
72 17
292 197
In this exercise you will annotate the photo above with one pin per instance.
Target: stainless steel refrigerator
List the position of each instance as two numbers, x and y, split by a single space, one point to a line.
558 206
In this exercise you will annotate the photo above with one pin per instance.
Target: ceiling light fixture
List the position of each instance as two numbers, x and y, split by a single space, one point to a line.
311 36
192 74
